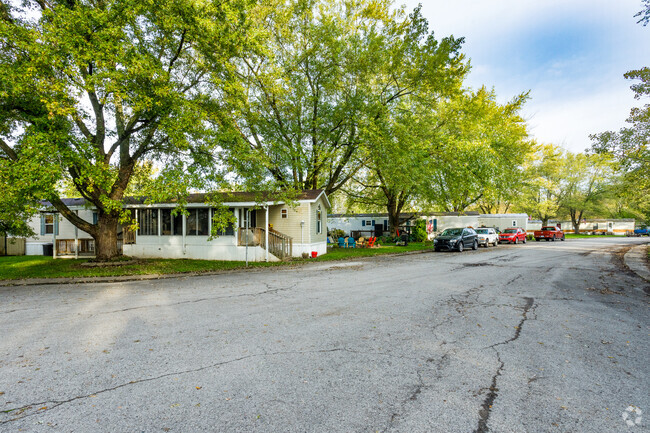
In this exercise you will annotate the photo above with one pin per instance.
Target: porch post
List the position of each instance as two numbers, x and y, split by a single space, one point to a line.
76 240
54 236
184 229
266 233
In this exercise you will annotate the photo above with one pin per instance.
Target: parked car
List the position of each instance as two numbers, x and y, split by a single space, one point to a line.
549 233
512 235
456 239
487 236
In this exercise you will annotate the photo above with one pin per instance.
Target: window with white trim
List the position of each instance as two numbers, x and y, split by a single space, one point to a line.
49 224
284 213
319 221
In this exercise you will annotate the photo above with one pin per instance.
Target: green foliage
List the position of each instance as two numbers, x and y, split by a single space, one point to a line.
88 90
481 146
629 147
327 70
420 231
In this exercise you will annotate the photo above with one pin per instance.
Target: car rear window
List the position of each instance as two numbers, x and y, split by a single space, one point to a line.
548 228
511 231
482 231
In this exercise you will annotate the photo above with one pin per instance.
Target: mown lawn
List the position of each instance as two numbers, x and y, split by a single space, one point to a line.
19 267
585 236
345 253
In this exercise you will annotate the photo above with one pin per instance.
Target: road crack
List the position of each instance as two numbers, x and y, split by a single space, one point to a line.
486 408
18 413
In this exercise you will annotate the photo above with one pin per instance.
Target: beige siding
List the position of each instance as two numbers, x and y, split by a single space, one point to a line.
290 226
66 228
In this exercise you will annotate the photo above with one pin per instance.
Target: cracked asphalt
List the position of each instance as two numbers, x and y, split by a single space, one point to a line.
542 337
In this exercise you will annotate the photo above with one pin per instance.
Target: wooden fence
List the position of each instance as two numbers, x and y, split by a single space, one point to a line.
15 246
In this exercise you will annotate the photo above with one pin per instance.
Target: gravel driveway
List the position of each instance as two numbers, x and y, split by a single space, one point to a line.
524 338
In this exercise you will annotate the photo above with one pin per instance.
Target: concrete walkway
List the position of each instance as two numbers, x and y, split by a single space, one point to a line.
636 260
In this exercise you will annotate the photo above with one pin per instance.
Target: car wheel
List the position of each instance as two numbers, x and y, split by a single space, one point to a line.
536 239
524 240
516 241
460 247
475 246
437 250
553 239
496 243
562 238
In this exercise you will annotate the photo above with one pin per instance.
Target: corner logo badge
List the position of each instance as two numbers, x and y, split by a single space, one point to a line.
632 416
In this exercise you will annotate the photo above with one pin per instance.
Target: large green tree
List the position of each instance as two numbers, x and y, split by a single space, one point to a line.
90 88
478 152
327 67
541 192
585 186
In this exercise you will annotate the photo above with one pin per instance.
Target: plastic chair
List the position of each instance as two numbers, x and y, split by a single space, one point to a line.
351 242
342 242
371 241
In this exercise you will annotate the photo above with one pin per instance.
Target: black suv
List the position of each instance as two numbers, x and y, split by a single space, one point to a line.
456 239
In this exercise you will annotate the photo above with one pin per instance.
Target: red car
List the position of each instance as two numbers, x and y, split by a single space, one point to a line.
549 233
513 236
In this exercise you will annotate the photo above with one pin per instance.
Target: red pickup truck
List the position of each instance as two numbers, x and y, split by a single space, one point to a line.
549 233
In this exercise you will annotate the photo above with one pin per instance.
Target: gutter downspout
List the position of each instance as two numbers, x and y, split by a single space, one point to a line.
266 233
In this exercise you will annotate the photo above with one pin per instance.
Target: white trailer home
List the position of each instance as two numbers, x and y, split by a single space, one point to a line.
288 228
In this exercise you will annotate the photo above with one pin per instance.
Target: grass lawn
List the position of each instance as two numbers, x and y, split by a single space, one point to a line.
19 267
585 236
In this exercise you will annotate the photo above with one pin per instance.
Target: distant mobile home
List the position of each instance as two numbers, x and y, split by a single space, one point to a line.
377 223
618 227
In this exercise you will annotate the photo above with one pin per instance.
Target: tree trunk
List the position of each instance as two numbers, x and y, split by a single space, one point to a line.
394 210
106 238
544 221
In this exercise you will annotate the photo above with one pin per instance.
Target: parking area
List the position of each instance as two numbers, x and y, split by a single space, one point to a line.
537 337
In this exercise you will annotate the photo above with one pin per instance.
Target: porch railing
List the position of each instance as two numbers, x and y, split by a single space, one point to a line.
280 245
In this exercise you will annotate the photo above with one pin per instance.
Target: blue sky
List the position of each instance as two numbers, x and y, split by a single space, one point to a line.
570 54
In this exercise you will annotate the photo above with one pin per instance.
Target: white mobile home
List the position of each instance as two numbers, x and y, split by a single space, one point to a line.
592 226
289 229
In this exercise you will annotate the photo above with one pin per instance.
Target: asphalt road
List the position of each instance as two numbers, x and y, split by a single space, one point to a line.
542 337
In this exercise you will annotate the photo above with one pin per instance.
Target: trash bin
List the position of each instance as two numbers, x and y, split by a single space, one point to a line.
314 254
48 250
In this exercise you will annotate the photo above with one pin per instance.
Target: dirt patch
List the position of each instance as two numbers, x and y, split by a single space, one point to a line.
108 264
619 261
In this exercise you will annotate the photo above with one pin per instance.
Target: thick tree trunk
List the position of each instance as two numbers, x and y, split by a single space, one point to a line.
106 238
393 216
544 221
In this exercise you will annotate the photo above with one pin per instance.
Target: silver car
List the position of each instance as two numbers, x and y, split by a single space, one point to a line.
487 236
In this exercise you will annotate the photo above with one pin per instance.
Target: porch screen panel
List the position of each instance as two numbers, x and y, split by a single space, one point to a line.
148 222
191 223
202 222
177 224
166 223
230 230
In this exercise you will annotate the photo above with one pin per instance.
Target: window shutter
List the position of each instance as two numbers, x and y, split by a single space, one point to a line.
56 224
373 223
363 223
42 224
95 217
